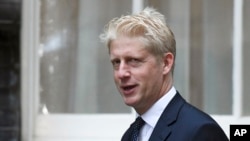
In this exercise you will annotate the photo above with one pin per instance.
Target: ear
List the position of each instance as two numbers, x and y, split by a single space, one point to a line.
168 61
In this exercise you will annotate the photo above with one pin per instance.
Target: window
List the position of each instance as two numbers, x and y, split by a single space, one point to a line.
203 31
76 75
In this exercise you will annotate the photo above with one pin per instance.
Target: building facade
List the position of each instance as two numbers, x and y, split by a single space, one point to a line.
67 91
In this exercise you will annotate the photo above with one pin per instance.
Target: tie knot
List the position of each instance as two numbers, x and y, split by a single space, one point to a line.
139 122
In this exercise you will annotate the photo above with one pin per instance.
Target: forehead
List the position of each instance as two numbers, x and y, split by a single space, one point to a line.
126 45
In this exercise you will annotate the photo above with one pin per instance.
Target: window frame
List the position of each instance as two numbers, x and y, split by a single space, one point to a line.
29 67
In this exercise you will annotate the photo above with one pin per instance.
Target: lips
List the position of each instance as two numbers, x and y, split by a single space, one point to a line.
128 89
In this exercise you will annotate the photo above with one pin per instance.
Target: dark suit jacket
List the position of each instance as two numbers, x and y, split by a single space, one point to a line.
181 121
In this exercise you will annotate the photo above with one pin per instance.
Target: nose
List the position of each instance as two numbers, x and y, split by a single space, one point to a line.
123 71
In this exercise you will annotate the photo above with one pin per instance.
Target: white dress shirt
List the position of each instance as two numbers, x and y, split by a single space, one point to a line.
153 114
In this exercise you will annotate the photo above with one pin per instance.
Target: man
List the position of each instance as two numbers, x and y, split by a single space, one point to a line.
142 52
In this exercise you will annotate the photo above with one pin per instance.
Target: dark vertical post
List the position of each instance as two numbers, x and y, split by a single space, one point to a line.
10 113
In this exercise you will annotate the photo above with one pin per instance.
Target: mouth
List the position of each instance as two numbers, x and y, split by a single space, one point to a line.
128 89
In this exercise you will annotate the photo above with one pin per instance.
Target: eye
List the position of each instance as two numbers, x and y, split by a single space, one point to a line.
116 63
134 62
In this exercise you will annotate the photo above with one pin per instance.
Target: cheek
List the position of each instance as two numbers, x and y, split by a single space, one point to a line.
115 77
148 73
151 78
144 78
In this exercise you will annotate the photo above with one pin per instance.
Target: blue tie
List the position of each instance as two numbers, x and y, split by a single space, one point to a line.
136 126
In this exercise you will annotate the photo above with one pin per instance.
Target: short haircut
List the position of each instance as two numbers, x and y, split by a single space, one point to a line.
148 25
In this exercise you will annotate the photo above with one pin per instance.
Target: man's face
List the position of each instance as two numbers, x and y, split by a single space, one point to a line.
138 75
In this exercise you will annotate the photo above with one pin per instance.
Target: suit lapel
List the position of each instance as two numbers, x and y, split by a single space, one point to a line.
162 129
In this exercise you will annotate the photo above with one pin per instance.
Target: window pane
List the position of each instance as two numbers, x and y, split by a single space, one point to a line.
75 72
218 25
246 58
177 16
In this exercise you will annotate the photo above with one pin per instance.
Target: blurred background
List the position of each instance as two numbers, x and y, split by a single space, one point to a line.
56 80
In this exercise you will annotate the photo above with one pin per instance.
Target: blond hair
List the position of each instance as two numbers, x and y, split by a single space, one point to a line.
149 25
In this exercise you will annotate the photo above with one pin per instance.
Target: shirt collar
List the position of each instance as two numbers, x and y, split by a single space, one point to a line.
153 114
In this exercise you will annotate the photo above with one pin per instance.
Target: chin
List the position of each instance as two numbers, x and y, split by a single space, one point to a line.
130 102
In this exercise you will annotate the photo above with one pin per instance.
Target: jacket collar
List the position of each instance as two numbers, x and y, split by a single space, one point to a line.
162 129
